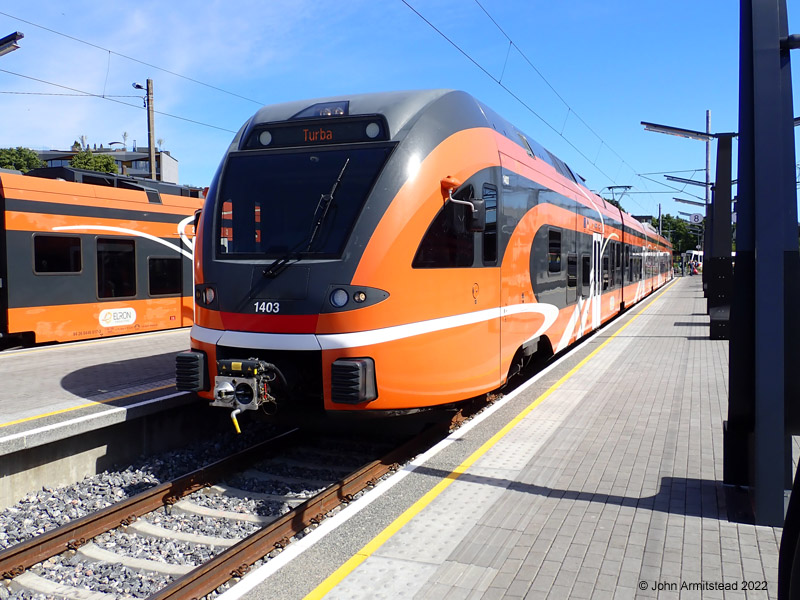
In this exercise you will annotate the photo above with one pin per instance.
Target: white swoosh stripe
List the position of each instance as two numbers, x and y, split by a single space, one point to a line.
310 341
548 311
127 232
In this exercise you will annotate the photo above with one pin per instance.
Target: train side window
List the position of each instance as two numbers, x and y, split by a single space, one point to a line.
605 272
57 254
490 233
554 250
448 243
586 267
572 278
526 145
612 265
164 275
116 268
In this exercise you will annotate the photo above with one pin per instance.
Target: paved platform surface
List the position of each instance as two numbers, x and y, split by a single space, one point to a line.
601 479
53 392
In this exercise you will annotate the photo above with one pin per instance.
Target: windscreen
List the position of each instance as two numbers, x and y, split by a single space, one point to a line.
303 203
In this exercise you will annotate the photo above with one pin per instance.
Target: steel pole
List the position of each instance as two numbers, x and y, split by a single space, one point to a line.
151 130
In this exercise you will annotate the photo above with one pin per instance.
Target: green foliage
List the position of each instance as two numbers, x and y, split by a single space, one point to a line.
677 231
19 158
86 160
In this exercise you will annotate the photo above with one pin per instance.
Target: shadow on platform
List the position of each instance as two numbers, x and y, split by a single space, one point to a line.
676 495
120 375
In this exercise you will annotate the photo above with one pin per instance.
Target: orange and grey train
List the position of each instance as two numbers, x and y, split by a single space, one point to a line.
395 251
93 256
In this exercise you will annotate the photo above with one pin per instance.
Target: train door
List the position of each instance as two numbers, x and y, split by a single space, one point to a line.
490 240
596 289
3 266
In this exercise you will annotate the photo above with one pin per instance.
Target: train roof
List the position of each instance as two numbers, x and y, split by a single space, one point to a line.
403 108
112 180
454 110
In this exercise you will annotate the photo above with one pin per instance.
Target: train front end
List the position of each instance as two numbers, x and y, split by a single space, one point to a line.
289 308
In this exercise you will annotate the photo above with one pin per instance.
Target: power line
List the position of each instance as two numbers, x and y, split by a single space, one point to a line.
498 82
136 60
539 73
113 99
570 110
671 172
520 100
676 189
54 94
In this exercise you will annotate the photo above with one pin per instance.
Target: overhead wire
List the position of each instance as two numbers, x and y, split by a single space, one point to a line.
512 44
113 99
543 78
677 189
500 83
520 100
136 60
570 110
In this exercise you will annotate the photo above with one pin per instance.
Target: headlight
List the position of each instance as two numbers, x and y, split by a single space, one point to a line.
339 298
208 295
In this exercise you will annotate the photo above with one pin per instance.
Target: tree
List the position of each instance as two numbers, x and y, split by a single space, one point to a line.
19 158
86 160
677 230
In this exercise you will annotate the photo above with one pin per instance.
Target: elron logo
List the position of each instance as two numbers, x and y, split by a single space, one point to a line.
112 317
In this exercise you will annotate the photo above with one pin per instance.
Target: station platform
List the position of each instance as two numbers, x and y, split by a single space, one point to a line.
74 410
600 478
55 392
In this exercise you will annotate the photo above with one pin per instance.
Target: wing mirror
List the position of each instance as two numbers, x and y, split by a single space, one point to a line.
476 217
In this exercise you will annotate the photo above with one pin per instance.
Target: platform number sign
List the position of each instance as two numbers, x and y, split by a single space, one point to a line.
696 218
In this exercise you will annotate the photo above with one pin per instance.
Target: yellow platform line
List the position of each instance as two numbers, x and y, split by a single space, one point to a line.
88 404
348 567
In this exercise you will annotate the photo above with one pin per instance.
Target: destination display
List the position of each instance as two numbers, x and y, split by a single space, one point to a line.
319 131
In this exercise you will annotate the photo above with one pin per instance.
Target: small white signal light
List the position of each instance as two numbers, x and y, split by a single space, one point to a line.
359 297
265 137
373 129
209 295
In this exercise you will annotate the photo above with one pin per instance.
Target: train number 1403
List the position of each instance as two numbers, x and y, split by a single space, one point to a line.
267 307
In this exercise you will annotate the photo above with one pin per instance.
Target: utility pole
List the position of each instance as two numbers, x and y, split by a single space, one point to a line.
708 159
151 129
659 218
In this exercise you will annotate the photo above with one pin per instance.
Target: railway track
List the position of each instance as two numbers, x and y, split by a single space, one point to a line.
273 490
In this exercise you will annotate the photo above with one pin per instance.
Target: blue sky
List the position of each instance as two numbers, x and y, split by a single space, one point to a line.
588 72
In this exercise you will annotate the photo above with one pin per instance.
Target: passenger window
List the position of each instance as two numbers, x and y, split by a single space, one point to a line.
605 272
572 278
585 272
116 268
612 265
164 275
448 243
56 254
554 251
490 233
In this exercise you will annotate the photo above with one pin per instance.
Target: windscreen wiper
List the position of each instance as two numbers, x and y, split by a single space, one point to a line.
323 206
320 214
